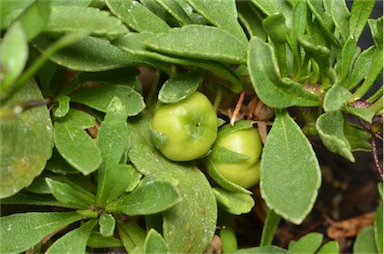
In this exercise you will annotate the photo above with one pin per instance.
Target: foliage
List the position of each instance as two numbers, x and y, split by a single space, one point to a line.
76 138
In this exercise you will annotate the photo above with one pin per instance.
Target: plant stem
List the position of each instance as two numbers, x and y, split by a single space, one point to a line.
377 106
376 95
269 229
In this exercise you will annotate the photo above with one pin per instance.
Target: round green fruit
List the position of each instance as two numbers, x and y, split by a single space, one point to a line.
189 127
239 157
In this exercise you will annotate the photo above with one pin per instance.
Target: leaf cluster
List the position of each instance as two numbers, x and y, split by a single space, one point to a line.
74 116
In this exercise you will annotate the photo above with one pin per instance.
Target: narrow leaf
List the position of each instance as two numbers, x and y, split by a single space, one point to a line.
90 54
63 107
361 11
234 202
135 15
266 79
348 54
289 174
209 43
13 55
340 15
270 7
71 193
330 126
263 250
23 230
269 229
378 228
180 87
174 8
131 235
366 114
74 241
220 13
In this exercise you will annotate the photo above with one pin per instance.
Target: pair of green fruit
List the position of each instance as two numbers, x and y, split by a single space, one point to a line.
189 129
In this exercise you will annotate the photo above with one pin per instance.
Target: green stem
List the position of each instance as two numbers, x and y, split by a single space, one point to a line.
52 49
269 229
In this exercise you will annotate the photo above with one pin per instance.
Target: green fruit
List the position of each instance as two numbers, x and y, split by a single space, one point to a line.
236 154
189 127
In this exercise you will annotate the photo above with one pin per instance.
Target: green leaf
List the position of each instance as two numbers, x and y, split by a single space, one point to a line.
366 114
263 250
331 247
348 54
200 42
57 164
174 8
107 224
222 181
270 7
376 26
124 75
64 107
365 241
136 16
222 14
26 141
340 16
10 10
71 193
23 230
28 198
335 98
155 243
76 146
96 240
228 240
361 67
13 55
250 20
269 86
112 137
324 20
181 86
182 233
330 126
357 138
81 118
88 19
234 202
35 18
274 26
289 174
90 54
99 97
378 228
134 44
74 241
306 244
131 235
155 193
361 11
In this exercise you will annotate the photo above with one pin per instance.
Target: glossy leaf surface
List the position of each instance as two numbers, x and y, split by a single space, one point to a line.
289 169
